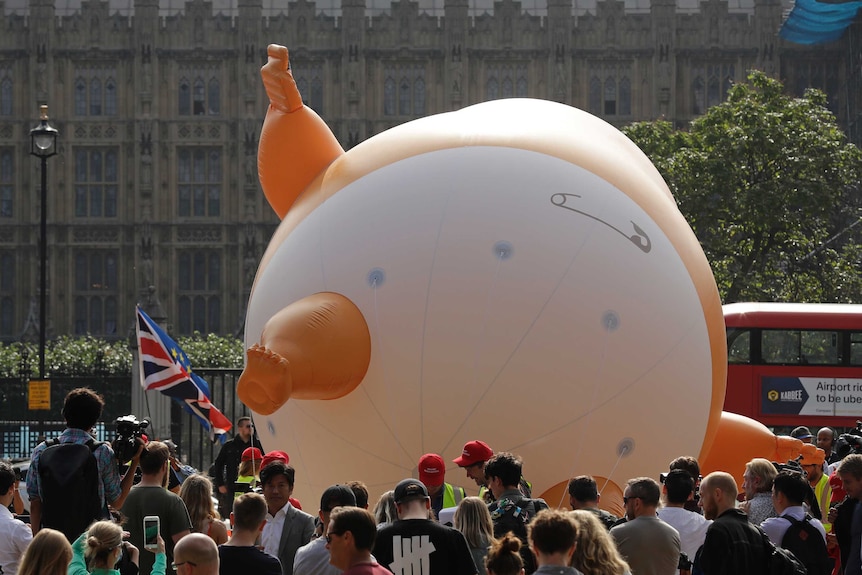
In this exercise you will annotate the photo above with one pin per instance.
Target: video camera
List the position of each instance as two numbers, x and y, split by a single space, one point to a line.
129 432
850 442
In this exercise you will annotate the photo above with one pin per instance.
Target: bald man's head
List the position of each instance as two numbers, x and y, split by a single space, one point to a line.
717 494
198 552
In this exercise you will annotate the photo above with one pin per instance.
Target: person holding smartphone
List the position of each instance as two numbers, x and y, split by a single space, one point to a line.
101 548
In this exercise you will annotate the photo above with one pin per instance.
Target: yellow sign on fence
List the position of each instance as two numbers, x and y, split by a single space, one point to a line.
39 394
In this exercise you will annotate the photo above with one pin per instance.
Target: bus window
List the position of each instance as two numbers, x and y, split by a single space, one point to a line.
739 345
780 346
855 348
819 347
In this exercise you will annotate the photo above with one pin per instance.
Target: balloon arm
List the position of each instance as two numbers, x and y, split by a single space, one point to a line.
295 146
278 80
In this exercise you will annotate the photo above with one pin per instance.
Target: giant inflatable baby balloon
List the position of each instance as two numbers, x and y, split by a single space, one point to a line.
516 272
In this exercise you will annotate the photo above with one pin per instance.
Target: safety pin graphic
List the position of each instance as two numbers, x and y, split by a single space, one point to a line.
639 239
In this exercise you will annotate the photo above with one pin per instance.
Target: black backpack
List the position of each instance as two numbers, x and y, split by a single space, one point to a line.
807 544
513 516
69 476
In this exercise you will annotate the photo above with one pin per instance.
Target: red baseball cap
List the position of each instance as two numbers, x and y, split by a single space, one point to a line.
432 470
274 456
474 452
251 454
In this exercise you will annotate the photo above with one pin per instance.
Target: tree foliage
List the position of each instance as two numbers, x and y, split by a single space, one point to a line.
88 355
770 186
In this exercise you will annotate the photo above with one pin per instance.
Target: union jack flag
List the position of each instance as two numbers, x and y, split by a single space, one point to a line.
165 367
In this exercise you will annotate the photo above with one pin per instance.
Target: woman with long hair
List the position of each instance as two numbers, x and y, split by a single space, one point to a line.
473 520
385 510
595 552
100 548
504 556
196 492
49 553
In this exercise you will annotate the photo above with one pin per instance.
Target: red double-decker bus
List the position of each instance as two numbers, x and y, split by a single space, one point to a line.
795 364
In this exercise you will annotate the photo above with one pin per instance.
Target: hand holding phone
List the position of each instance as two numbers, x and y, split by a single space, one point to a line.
151 532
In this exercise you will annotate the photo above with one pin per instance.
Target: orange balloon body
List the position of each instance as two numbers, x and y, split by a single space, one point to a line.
740 439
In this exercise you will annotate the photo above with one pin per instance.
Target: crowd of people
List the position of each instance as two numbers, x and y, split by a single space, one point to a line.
242 517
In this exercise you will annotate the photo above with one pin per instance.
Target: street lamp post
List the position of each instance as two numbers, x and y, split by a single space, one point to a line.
43 145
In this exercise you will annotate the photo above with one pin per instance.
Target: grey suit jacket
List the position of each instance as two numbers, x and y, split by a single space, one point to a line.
298 529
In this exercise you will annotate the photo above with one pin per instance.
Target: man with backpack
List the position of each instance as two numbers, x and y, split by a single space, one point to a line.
74 478
794 529
510 510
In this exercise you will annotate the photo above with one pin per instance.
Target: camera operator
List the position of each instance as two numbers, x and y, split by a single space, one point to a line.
82 408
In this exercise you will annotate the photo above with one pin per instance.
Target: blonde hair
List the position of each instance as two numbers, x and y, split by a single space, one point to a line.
473 520
49 553
595 552
385 510
763 469
102 538
248 468
196 493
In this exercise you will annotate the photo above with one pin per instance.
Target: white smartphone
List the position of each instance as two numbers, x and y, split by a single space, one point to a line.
151 532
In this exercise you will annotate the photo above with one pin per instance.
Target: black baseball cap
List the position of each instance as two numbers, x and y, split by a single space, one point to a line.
409 489
801 432
337 496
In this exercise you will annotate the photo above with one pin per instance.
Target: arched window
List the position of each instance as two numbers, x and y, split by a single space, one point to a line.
698 96
185 98
419 97
389 96
404 97
610 96
595 96
199 313
110 316
199 98
110 97
214 97
521 87
508 86
80 97
492 89
625 108
95 97
713 92
96 316
80 315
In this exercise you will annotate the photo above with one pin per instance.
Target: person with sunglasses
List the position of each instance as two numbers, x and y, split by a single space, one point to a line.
648 544
226 467
196 554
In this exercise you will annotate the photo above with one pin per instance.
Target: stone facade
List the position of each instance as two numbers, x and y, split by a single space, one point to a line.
154 198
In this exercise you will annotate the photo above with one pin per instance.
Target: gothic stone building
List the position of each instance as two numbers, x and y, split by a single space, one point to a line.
154 197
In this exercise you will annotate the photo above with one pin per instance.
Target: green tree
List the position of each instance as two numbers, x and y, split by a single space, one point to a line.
86 355
770 186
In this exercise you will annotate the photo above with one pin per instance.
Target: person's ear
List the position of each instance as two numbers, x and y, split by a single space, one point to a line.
262 525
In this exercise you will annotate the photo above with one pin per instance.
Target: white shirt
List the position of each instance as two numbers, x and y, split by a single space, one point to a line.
776 527
271 535
691 526
15 536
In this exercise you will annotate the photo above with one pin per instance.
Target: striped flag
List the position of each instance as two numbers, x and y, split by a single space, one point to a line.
165 367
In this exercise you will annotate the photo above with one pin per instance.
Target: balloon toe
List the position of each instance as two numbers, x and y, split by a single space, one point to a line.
266 382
